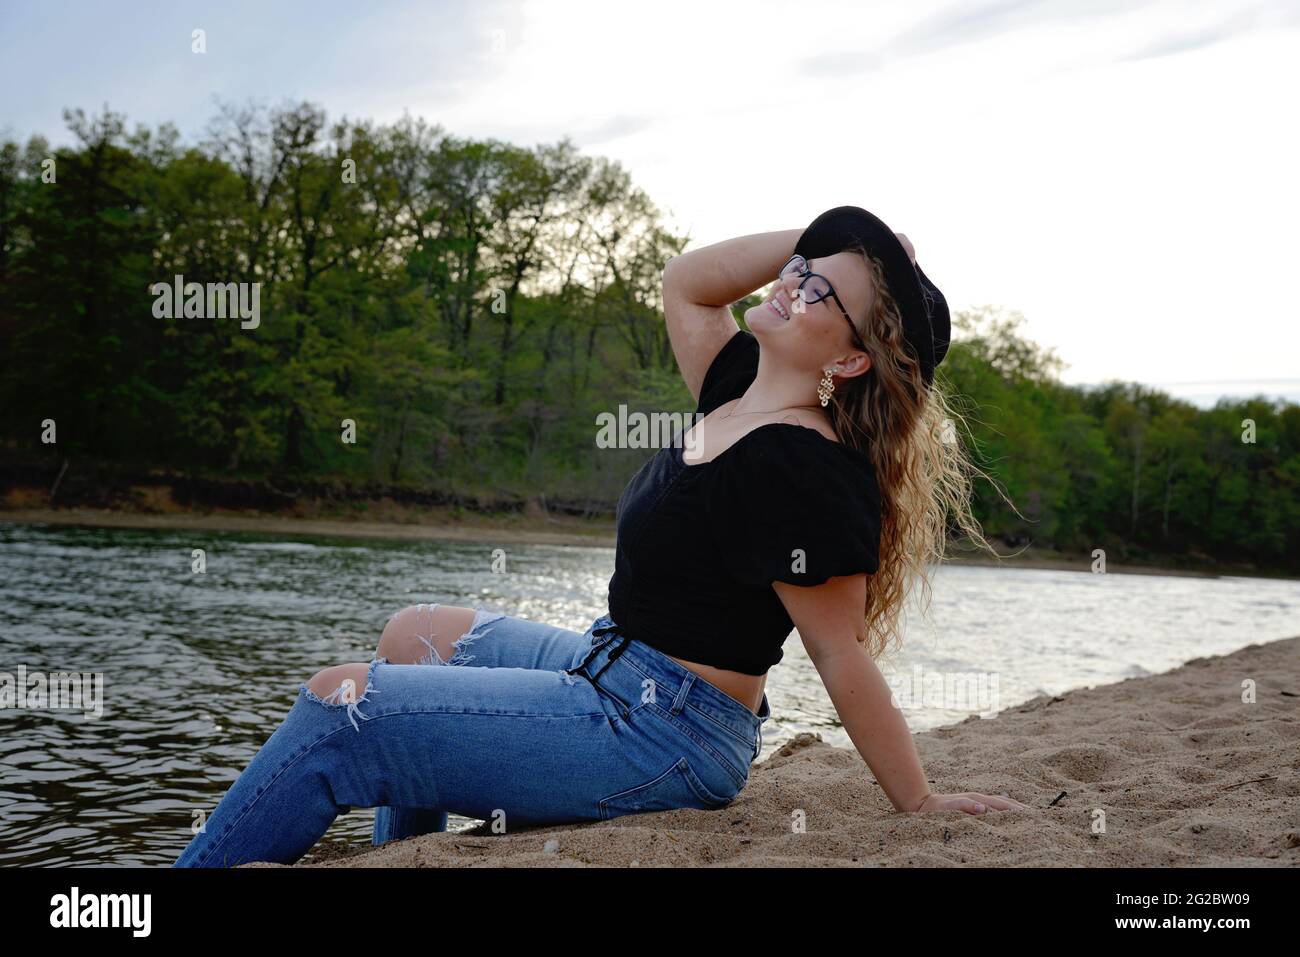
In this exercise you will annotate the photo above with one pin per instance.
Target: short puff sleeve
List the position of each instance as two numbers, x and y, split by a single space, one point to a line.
787 504
730 372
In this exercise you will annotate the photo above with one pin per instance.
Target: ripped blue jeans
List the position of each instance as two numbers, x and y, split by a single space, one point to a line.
525 724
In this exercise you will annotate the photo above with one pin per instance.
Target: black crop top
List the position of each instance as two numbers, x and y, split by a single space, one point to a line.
699 546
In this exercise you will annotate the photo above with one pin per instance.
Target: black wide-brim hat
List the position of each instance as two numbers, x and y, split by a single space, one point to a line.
926 322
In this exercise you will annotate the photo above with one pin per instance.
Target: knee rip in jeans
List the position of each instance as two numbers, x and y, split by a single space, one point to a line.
345 695
459 655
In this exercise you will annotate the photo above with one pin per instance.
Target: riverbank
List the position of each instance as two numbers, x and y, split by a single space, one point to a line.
431 524
531 526
1166 770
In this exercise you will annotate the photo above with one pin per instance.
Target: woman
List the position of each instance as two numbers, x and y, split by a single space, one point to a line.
814 489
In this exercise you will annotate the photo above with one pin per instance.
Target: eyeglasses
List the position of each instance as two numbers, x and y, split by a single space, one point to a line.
816 287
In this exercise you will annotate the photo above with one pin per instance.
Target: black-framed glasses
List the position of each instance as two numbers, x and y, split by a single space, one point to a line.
815 287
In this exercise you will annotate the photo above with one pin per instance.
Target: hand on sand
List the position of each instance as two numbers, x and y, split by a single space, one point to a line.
970 802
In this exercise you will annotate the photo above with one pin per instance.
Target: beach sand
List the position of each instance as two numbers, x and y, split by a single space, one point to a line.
1181 771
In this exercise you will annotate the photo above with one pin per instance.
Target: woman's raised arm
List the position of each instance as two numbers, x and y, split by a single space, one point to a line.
700 286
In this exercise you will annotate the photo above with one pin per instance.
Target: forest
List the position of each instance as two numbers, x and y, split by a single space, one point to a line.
442 313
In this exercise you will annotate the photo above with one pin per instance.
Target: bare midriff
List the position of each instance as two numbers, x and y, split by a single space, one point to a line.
747 689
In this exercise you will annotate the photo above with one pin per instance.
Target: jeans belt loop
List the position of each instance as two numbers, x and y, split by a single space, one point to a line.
679 701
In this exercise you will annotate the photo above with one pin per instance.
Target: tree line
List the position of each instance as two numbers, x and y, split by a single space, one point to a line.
470 308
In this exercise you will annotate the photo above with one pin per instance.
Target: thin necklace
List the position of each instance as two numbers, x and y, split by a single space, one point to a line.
770 411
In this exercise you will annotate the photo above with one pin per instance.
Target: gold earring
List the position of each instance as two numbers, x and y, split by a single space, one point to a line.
826 387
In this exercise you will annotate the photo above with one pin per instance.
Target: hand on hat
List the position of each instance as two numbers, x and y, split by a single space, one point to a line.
907 244
921 305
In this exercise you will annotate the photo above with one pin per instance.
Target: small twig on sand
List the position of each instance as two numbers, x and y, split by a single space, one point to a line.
1242 784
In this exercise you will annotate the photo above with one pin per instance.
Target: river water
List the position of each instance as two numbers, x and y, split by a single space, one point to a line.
199 669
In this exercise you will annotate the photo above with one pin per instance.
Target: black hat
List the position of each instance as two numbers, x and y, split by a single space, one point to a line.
924 310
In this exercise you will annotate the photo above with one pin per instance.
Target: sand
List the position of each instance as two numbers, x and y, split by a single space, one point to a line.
1184 772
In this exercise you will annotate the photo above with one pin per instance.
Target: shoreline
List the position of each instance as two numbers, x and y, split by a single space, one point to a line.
1164 770
528 529
436 526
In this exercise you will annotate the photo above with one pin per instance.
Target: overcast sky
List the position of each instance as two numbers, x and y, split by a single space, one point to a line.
1121 172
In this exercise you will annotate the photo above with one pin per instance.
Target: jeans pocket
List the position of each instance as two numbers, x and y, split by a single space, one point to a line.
677 787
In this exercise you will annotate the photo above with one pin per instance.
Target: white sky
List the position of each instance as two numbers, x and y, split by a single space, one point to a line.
1122 173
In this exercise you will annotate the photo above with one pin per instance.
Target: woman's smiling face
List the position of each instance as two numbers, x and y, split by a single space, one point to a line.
810 334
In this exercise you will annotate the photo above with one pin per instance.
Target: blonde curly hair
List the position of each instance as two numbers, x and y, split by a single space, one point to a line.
909 431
